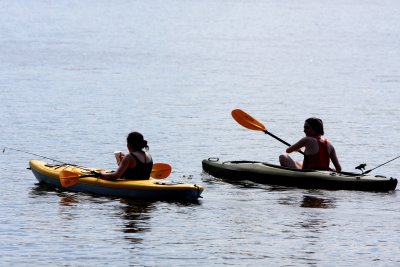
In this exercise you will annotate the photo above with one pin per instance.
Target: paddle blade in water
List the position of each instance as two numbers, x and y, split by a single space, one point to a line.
247 121
160 170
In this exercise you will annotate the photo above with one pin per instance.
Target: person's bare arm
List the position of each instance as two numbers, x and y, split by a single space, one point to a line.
335 160
123 166
297 146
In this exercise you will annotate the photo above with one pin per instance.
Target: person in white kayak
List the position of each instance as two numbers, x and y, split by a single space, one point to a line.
318 150
136 165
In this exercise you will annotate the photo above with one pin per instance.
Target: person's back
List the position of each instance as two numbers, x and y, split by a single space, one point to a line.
318 151
319 160
142 169
137 165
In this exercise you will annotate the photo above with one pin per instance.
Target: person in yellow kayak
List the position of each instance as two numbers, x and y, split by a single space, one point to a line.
318 150
136 165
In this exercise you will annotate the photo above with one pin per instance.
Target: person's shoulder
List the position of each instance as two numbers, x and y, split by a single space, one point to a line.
148 155
309 139
132 157
326 140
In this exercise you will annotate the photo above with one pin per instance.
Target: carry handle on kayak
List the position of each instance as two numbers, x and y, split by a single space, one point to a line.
251 123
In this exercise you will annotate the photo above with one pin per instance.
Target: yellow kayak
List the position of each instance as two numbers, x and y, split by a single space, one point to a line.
137 189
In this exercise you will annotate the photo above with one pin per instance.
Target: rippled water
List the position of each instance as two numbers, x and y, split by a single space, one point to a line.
78 76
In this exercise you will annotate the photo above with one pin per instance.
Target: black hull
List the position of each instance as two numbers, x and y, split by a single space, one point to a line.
264 173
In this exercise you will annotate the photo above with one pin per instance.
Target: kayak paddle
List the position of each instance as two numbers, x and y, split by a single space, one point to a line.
160 170
70 178
249 122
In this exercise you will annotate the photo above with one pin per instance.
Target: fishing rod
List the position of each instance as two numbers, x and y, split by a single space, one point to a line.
26 152
55 160
361 167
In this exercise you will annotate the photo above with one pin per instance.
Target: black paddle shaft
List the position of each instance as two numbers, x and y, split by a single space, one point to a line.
282 141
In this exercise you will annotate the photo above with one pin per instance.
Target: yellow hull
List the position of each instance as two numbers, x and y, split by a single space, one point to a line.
137 189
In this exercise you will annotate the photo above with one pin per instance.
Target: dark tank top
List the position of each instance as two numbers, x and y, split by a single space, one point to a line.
141 171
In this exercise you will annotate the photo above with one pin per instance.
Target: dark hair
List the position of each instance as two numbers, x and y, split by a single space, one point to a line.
136 141
316 124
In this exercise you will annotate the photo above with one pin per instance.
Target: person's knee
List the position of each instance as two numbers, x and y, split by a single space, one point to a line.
283 158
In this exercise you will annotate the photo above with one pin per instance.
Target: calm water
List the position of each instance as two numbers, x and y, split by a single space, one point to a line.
77 76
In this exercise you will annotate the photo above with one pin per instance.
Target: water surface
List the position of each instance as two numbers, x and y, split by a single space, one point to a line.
78 76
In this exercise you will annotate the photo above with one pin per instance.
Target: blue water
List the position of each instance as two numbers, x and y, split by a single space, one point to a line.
77 76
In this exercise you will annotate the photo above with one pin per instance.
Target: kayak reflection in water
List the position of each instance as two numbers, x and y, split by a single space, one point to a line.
137 164
318 150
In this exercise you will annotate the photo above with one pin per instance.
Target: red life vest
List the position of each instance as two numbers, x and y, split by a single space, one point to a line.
320 160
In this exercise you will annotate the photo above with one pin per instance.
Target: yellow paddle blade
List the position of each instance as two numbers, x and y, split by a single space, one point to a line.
69 178
69 181
67 174
160 170
247 121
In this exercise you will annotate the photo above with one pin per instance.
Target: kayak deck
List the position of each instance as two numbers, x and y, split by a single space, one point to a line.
137 189
265 173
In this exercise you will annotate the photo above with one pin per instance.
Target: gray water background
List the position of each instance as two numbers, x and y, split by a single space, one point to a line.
77 76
